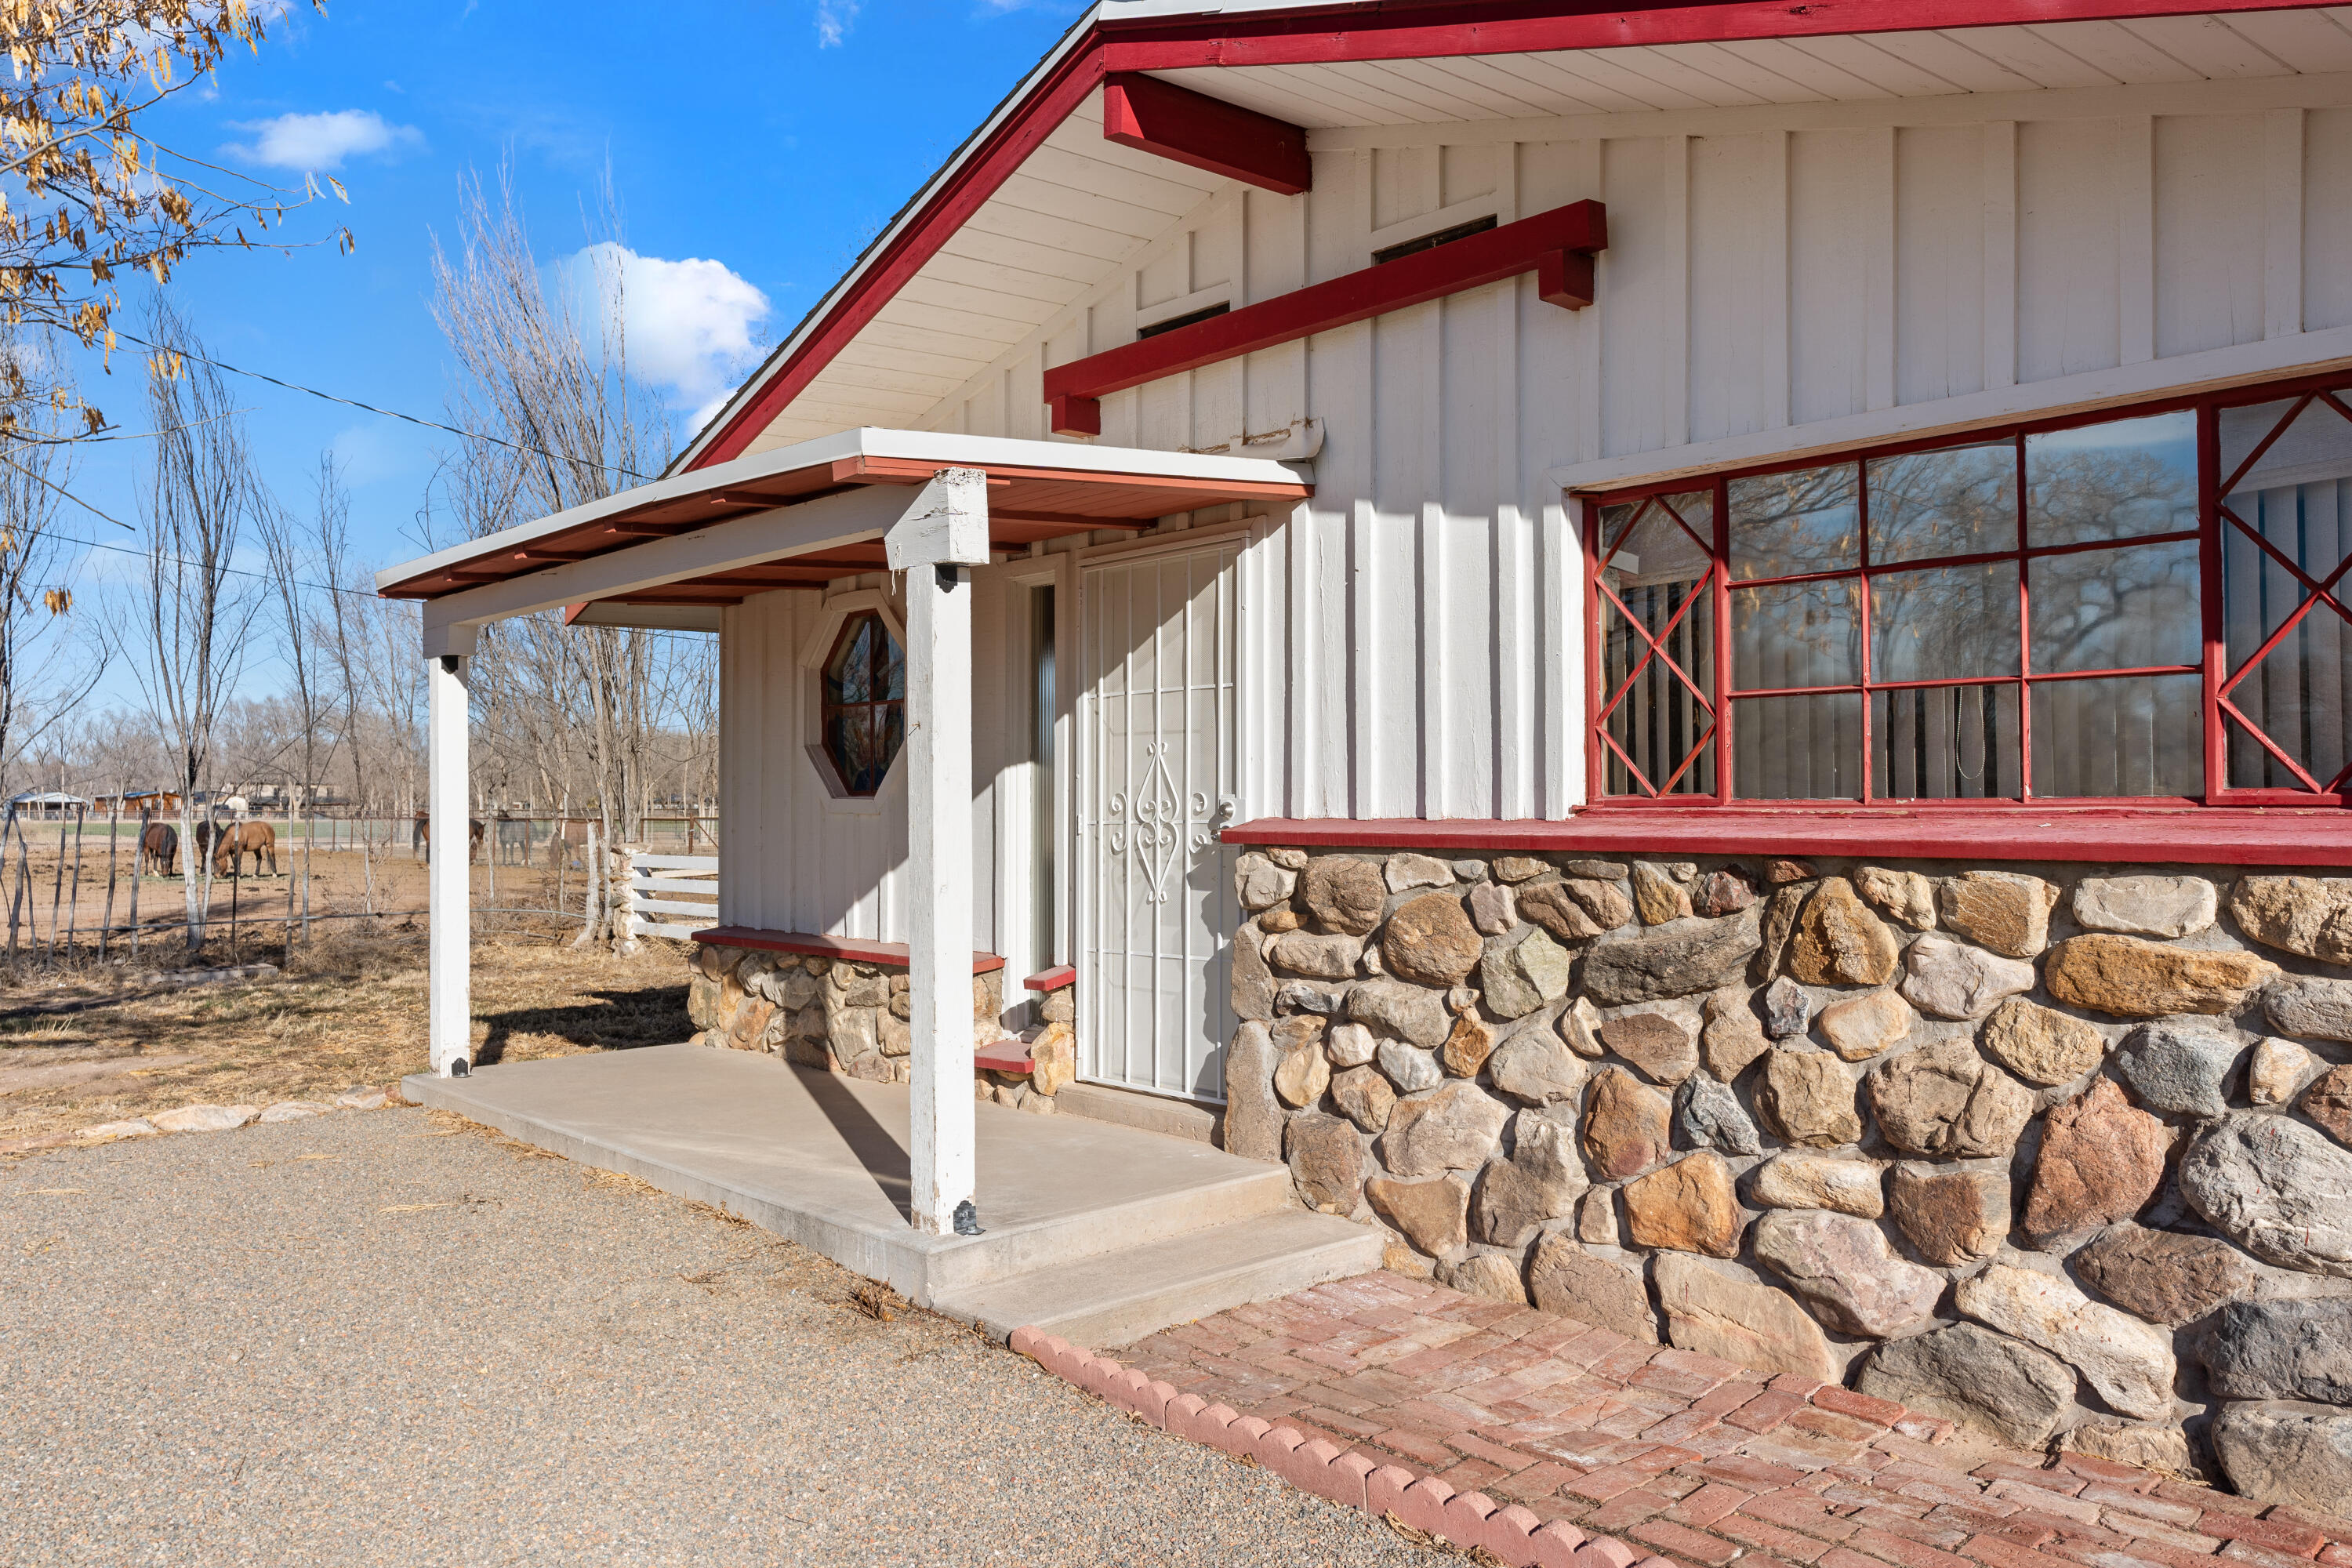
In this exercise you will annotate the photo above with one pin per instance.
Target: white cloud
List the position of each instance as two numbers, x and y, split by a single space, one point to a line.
689 324
313 142
833 20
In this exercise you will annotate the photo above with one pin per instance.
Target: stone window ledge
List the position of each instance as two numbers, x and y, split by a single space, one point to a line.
2199 835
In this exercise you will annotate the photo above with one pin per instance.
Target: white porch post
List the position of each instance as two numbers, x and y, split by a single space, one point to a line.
449 940
945 531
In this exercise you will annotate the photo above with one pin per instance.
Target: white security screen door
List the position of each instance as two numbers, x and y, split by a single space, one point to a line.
1155 775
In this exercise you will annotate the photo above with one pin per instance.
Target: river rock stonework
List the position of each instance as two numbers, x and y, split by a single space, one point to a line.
2011 1144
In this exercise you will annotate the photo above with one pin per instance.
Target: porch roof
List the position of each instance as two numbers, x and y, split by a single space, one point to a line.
1037 490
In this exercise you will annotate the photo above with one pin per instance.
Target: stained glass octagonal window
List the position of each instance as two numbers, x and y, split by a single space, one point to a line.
865 703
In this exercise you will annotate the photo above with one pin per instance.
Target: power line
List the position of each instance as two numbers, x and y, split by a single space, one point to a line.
386 413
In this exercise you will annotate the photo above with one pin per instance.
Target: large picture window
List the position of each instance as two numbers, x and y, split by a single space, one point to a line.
2132 606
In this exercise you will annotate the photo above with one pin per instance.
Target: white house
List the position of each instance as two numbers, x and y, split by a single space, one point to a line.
1705 493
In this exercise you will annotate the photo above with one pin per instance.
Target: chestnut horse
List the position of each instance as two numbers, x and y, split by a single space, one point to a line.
160 843
239 839
473 843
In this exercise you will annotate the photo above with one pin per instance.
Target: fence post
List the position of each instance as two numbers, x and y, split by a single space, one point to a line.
588 895
627 945
113 836
73 900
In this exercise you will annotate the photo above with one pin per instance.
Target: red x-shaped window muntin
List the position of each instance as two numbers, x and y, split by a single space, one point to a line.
1655 648
2322 592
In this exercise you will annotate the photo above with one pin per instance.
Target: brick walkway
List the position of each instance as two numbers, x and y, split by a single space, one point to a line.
1652 1452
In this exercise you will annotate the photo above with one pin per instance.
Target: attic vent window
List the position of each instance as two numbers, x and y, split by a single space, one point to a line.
1405 248
1189 319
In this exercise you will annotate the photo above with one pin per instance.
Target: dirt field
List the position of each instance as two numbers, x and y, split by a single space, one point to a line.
43 902
85 1045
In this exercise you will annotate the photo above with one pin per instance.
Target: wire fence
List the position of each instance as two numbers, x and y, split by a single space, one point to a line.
81 885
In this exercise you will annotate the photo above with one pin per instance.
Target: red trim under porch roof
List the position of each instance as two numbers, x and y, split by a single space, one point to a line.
848 949
2296 838
1310 35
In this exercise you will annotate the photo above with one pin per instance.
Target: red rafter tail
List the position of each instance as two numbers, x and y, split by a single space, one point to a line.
1205 132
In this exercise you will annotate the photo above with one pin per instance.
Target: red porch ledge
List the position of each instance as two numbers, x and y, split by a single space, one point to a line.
1052 979
2209 836
845 948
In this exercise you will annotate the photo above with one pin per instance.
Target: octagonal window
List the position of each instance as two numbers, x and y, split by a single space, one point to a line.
865 702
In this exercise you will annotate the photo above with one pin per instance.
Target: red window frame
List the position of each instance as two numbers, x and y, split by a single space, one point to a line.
2220 716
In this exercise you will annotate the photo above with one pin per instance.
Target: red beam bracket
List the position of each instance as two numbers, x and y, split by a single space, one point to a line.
1192 128
1556 245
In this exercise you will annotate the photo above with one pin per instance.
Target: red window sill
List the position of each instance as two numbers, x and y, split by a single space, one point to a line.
2209 836
845 948
1052 979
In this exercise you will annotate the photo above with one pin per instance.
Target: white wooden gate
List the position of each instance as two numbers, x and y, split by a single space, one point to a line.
1156 780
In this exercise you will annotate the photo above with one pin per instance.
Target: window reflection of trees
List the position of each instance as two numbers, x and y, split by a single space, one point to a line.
2132 606
1785 525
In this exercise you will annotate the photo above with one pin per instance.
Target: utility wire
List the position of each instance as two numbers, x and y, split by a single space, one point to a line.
386 413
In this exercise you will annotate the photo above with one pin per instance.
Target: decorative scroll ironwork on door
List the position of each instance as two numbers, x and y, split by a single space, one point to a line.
1156 782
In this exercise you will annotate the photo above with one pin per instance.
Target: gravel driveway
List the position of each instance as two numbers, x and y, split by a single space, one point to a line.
390 1339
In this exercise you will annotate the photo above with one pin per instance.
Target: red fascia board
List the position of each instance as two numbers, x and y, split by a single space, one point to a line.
847 949
2189 835
1336 34
1578 229
1203 133
903 255
1345 34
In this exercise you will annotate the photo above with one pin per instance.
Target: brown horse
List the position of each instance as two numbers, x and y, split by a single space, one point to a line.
473 839
160 844
242 838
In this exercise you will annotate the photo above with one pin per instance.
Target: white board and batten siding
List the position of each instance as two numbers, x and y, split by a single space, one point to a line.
1777 275
799 857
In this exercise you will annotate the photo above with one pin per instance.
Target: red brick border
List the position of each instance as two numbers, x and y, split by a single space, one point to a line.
1421 1502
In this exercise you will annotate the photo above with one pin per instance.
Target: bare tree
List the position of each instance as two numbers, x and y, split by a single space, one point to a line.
45 673
92 192
296 596
541 378
199 608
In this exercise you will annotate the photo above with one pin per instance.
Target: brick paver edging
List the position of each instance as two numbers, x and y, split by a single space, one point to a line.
1380 1488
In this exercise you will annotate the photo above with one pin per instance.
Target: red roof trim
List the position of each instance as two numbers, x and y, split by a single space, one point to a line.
1316 35
1515 26
1203 133
2189 835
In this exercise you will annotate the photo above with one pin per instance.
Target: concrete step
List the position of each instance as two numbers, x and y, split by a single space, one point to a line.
1195 1121
1116 1298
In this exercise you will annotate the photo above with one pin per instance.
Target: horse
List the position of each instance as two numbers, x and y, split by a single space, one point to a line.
242 838
160 843
473 837
569 834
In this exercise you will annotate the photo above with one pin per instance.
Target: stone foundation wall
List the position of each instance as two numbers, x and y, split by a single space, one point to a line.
851 1018
2056 1151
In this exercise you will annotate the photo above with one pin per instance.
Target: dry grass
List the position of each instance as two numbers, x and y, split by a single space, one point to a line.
351 1011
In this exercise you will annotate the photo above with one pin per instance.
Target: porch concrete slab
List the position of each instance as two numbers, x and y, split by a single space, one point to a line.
823 1160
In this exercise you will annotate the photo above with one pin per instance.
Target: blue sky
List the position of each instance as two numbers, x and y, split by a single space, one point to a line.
765 143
